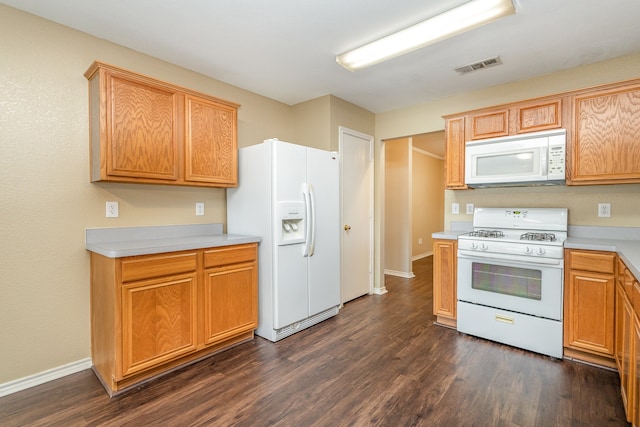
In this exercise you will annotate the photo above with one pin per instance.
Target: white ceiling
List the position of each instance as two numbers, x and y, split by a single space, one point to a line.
285 49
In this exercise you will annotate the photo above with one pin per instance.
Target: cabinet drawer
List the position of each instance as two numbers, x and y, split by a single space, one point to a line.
230 255
147 267
592 261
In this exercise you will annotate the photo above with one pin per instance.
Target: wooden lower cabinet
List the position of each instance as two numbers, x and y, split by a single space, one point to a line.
445 281
153 313
628 341
158 318
229 289
624 342
633 409
589 306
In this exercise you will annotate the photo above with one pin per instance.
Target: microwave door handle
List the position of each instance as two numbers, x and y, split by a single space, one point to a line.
544 153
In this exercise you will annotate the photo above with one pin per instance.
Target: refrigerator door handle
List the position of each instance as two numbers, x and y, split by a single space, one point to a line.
310 237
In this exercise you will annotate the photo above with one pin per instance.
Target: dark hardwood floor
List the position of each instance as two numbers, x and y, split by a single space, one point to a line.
381 361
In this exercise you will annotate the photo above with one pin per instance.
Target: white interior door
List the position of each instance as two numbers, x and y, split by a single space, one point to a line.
356 156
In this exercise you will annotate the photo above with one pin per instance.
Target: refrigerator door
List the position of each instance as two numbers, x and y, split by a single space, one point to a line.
324 264
290 267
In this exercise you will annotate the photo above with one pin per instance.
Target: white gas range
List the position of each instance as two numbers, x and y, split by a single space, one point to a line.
511 275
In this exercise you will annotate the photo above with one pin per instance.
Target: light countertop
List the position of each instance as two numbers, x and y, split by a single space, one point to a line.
625 241
131 241
628 250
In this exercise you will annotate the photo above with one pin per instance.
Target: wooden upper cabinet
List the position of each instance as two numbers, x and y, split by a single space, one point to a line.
211 147
538 116
141 129
488 124
144 130
454 153
512 119
606 129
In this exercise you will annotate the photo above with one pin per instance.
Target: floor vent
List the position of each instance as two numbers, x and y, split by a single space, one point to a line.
481 65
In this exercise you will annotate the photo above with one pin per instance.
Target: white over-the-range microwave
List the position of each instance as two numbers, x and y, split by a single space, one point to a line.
518 160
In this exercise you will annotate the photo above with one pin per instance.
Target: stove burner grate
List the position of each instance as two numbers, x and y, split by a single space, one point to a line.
539 237
486 233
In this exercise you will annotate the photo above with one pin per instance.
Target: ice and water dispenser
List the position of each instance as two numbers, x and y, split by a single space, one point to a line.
291 222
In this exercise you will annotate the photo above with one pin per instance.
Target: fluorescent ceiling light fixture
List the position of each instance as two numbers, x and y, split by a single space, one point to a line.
450 23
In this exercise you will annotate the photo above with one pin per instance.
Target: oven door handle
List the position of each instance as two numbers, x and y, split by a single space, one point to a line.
552 262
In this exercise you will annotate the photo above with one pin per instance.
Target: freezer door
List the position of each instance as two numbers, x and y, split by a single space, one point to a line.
290 291
324 265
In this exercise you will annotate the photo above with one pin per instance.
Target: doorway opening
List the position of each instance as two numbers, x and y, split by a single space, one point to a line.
413 199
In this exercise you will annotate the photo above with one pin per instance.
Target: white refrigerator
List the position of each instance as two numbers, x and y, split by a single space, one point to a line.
288 195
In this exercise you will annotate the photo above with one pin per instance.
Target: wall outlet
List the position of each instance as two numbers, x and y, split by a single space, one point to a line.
419 240
199 209
455 208
112 210
470 208
604 210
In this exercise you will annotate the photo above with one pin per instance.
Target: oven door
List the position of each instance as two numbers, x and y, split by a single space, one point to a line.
516 285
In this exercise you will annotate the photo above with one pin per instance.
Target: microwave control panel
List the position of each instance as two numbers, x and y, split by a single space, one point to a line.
556 160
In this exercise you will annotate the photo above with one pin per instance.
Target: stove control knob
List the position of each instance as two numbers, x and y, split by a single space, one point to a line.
540 251
484 246
473 245
528 250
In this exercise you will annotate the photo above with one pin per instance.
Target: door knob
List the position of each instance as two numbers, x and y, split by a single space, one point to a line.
347 227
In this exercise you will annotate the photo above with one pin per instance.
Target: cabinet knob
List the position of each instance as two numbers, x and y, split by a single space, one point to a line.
347 227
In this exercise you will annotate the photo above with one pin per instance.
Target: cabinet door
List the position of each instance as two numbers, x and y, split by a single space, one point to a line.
624 338
589 322
158 321
606 143
454 153
635 363
230 292
142 125
539 117
211 150
488 125
444 280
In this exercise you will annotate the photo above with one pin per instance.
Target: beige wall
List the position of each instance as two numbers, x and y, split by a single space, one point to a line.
47 200
397 202
311 123
427 201
350 116
581 201
316 122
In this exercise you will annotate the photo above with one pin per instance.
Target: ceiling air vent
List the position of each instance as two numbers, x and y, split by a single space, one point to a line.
481 65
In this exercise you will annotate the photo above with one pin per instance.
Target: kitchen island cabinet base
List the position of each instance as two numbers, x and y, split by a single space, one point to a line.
114 388
154 313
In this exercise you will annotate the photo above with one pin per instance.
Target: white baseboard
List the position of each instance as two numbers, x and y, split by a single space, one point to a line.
44 377
380 291
420 256
405 274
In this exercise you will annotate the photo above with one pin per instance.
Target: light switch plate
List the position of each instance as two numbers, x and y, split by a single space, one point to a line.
455 208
